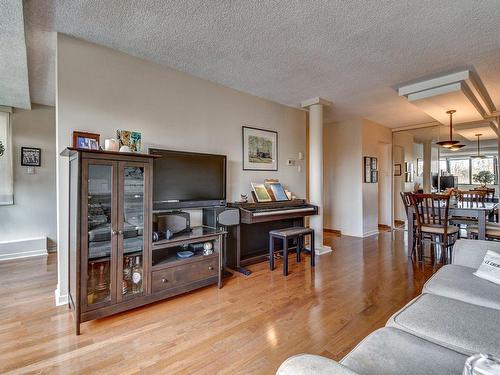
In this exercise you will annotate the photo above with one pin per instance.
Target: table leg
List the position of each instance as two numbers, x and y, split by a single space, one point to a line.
482 225
271 253
410 232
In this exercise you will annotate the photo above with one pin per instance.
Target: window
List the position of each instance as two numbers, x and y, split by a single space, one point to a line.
443 166
478 165
461 169
6 178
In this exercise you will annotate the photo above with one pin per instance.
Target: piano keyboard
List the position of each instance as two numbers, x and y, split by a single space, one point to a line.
283 212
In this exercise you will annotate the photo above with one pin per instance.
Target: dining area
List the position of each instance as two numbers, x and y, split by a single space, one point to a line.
440 219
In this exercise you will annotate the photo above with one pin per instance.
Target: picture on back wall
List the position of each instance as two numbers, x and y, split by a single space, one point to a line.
130 139
260 149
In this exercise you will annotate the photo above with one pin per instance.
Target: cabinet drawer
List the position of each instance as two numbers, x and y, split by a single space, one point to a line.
184 274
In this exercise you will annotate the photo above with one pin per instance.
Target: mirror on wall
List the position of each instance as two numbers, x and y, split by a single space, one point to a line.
422 165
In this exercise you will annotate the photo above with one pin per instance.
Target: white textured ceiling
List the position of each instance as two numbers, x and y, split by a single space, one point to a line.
355 53
14 90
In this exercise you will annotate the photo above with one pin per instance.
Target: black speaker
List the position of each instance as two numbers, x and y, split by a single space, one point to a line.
221 217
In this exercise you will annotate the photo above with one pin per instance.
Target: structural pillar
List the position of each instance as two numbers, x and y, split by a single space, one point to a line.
315 106
426 173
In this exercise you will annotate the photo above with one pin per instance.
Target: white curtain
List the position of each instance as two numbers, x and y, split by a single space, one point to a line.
6 177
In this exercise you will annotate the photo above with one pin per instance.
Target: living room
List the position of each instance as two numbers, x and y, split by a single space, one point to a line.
240 187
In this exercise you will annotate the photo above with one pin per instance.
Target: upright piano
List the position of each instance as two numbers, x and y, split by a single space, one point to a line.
248 242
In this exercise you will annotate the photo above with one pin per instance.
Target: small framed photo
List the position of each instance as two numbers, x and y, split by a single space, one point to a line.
397 169
31 157
86 141
261 193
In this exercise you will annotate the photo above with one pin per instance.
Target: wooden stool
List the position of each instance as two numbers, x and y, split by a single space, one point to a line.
297 233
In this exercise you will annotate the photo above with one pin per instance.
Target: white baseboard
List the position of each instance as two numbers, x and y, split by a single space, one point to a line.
60 299
323 250
370 233
23 248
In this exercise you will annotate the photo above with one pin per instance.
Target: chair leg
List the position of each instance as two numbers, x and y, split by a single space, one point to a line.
445 249
313 250
285 256
271 253
299 247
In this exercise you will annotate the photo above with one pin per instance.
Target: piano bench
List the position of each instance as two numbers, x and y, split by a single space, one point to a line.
297 233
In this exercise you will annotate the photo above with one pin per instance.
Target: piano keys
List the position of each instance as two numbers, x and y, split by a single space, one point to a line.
248 243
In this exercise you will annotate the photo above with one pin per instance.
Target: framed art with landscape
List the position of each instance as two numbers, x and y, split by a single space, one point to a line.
260 149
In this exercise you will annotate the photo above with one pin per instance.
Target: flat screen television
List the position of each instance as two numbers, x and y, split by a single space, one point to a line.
188 180
446 182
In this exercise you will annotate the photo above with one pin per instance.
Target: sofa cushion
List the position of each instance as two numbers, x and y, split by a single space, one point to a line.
460 326
308 364
459 282
391 351
470 253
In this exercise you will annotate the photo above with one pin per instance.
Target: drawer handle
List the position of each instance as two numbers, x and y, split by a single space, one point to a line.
211 268
164 280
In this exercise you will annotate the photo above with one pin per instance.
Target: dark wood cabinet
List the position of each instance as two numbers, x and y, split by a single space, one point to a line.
113 264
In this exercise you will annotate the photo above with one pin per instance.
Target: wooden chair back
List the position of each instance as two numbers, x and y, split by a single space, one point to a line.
472 197
431 209
489 193
406 197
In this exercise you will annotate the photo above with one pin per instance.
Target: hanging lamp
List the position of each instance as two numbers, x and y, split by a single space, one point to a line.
478 156
449 143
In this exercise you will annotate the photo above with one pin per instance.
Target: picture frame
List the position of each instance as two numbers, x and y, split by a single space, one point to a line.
397 170
86 141
420 167
370 174
260 149
409 175
132 139
260 193
278 191
31 156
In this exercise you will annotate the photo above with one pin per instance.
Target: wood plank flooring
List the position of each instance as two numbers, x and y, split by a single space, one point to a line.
249 326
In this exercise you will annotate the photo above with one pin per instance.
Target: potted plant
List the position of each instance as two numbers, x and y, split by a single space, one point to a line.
484 178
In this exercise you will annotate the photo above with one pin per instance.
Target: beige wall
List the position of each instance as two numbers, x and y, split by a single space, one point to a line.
342 177
377 140
34 211
352 206
101 90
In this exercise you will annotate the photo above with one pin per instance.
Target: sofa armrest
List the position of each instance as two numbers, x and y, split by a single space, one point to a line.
308 364
470 253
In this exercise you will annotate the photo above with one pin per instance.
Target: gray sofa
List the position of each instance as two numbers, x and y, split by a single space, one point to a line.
457 315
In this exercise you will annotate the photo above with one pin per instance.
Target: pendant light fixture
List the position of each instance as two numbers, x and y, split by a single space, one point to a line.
478 156
456 147
449 143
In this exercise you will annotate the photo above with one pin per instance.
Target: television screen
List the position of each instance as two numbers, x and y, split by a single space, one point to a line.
187 179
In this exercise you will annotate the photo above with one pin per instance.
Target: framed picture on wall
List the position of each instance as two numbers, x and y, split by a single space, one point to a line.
31 157
370 170
420 167
260 149
397 169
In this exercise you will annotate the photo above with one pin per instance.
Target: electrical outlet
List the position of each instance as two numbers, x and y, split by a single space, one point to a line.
301 155
290 162
30 170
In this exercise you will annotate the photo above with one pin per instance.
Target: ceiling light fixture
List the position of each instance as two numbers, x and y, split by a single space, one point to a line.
456 147
478 156
449 143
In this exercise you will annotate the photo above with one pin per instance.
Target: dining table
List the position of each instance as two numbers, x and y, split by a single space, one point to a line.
477 210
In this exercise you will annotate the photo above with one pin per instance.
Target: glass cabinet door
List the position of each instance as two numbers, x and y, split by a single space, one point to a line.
131 229
100 239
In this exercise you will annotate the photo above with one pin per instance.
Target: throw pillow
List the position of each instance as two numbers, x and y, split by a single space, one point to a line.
490 268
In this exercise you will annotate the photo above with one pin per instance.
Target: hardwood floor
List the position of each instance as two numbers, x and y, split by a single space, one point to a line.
249 326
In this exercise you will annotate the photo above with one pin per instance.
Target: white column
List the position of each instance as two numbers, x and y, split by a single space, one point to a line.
427 166
315 106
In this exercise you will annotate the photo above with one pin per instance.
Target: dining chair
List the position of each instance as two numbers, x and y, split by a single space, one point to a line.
492 231
468 198
406 197
432 211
